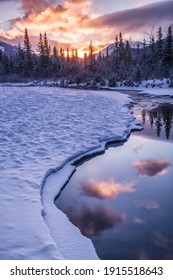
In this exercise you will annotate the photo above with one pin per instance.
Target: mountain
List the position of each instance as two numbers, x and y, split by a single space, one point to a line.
10 45
8 49
133 44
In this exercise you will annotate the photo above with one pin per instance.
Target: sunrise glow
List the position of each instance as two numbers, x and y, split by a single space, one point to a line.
69 22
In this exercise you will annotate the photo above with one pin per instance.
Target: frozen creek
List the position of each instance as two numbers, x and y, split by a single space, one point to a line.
122 199
42 130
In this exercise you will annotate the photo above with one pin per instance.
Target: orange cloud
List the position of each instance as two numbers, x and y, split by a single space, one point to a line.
152 167
62 22
106 190
75 22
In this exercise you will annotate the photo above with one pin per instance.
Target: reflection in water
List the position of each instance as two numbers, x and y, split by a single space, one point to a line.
152 167
161 117
147 204
93 221
106 190
130 215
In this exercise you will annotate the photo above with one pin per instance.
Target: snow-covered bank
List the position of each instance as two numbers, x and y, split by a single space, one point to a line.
155 84
43 128
159 92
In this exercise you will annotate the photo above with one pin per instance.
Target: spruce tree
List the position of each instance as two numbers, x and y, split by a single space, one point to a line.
168 50
159 43
27 63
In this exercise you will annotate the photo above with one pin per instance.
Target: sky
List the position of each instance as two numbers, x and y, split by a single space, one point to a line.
75 22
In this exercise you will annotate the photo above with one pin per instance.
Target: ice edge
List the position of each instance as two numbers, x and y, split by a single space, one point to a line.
63 173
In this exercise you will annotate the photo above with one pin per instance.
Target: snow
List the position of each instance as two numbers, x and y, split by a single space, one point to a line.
158 92
42 130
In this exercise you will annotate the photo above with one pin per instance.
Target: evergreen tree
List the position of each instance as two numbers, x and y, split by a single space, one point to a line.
27 63
91 49
40 46
168 52
68 55
55 63
46 47
19 60
159 43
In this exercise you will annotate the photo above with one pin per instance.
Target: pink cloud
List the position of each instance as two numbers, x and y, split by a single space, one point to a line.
106 189
152 167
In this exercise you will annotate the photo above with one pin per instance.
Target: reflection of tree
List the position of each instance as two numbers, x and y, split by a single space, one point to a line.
167 119
162 117
143 116
158 124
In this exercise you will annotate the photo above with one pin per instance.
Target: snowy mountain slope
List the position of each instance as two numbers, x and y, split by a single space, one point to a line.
41 128
7 48
111 47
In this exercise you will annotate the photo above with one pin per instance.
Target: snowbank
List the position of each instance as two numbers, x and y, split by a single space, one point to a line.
159 92
43 128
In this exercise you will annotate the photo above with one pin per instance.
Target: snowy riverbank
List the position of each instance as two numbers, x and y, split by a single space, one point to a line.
42 128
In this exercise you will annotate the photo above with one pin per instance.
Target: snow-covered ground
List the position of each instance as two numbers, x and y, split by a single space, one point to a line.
43 128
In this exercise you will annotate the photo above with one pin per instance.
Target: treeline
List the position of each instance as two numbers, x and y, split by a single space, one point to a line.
124 63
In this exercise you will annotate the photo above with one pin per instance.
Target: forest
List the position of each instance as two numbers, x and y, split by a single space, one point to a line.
122 63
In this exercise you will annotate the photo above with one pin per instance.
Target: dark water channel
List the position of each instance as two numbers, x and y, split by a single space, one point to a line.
123 199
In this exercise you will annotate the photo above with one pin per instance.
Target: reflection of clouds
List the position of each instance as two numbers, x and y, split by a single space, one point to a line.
152 167
138 220
147 204
106 189
163 242
92 222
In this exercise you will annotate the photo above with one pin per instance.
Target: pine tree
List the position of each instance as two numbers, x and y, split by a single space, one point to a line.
55 67
40 46
168 51
61 53
91 49
128 55
19 59
159 43
26 43
46 46
116 43
68 55
76 54
27 63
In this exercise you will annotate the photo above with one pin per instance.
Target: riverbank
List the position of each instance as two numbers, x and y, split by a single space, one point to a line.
150 87
43 128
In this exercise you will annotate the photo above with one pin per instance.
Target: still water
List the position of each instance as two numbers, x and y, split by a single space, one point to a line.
123 199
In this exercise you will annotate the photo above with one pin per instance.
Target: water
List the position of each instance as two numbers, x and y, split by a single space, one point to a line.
123 199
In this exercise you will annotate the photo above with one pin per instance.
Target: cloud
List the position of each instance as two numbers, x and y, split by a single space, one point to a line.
152 167
61 21
137 19
93 222
7 1
37 6
106 189
76 22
